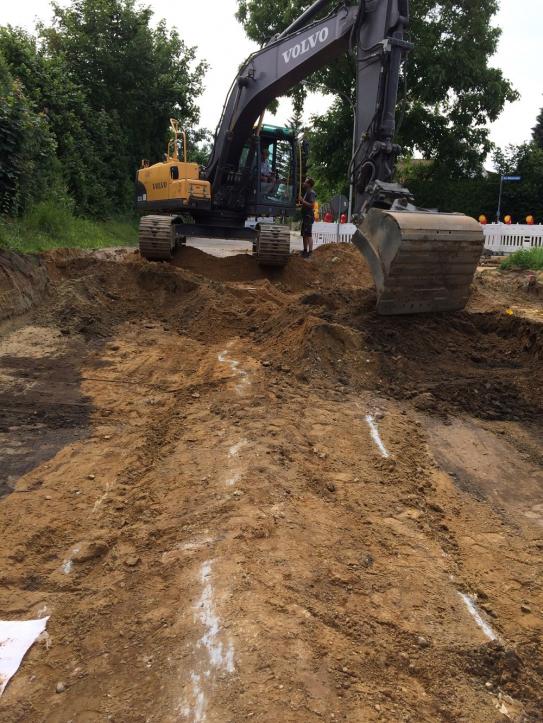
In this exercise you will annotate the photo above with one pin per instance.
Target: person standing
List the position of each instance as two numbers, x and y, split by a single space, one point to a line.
265 167
308 215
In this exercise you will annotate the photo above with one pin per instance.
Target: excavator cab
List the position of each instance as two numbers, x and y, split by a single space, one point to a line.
271 158
277 171
273 161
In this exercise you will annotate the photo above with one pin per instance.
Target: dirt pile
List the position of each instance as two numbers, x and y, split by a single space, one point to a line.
510 286
242 495
331 267
23 282
315 318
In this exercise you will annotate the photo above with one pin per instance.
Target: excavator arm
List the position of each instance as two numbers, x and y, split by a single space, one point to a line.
271 72
378 30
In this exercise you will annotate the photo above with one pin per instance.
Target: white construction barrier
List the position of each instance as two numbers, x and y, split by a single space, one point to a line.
332 233
503 239
500 238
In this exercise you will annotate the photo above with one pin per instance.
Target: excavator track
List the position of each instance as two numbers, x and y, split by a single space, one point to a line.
421 261
157 238
272 247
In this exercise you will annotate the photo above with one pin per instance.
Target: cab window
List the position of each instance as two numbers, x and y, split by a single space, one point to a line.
277 175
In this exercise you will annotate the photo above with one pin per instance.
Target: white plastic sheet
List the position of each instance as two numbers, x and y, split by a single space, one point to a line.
16 639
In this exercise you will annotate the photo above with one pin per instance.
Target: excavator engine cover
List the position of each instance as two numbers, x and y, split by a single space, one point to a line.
420 261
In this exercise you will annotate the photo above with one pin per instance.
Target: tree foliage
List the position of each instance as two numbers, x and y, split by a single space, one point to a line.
525 197
452 92
137 74
105 82
27 147
538 130
476 196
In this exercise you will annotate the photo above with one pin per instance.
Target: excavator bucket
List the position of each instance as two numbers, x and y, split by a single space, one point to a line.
420 261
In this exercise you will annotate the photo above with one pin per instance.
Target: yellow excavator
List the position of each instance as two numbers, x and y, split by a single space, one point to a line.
421 260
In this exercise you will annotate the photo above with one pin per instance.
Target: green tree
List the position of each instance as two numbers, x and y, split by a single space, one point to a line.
330 153
139 75
538 130
298 96
105 83
452 92
200 145
78 129
27 147
523 198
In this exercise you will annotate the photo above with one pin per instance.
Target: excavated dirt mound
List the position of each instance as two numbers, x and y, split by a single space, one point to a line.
514 286
328 265
239 494
23 280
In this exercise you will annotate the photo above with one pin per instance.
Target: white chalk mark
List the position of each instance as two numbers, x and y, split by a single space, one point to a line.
196 544
45 638
210 621
218 656
233 480
236 448
476 615
68 564
199 713
234 364
101 499
229 658
370 419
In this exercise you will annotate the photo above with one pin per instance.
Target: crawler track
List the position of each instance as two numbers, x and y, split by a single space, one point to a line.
273 245
157 238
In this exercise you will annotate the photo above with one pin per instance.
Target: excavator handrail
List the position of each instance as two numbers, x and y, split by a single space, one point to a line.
174 125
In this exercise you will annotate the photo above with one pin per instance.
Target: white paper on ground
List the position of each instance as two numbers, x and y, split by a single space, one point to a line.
16 638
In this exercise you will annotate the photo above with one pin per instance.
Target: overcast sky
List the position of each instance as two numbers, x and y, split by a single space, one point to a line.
211 26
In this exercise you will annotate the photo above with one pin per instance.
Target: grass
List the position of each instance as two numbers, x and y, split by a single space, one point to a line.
49 226
531 259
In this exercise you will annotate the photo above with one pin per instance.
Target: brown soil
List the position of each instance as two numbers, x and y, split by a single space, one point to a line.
195 492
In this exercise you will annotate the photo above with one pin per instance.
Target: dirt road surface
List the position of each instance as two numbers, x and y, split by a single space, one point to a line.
242 496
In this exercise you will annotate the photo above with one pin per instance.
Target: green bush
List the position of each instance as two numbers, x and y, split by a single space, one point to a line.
50 219
27 152
49 225
524 259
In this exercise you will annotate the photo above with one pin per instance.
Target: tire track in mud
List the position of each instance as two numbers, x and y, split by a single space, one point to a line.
317 560
302 702
241 547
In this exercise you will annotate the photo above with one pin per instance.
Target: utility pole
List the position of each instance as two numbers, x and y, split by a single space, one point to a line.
499 212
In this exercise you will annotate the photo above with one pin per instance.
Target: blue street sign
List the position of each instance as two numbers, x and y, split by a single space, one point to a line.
511 178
